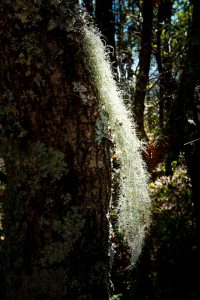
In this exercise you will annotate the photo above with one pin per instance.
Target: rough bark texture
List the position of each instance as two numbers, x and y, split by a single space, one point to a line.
58 178
144 65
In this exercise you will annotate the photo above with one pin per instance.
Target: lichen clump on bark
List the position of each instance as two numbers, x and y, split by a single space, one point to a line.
134 201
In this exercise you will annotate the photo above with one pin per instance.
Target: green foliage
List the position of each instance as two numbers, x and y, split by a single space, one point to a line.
116 297
164 269
172 194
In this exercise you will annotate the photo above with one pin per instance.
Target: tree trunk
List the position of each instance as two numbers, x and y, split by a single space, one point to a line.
184 124
144 65
89 6
177 127
164 61
58 177
106 24
192 147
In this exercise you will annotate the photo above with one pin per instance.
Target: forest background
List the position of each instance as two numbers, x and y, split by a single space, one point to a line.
154 48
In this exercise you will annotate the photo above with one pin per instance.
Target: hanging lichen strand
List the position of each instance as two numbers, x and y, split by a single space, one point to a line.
134 202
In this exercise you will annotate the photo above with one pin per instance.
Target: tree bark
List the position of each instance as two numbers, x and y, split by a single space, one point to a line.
192 148
144 66
89 6
106 24
58 177
164 61
177 127
184 125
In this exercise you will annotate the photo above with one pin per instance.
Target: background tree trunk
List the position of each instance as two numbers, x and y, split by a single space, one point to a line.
58 177
144 66
89 6
164 61
106 23
183 109
192 149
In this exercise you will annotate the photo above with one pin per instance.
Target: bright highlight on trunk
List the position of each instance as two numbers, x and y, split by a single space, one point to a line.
134 201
